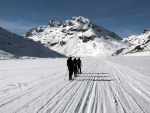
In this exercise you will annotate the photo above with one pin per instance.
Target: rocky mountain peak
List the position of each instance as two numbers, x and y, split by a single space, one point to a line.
53 23
76 36
147 30
78 23
81 19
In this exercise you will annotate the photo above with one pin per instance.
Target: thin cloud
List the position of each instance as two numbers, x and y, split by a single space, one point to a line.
123 16
18 27
127 32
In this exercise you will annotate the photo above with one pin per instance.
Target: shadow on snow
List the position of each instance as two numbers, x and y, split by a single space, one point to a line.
107 80
94 78
94 73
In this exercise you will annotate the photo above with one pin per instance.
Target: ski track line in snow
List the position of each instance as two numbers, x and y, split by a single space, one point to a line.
80 95
116 97
143 84
52 97
47 91
37 85
74 84
41 95
24 93
136 88
81 106
28 83
81 92
34 99
103 87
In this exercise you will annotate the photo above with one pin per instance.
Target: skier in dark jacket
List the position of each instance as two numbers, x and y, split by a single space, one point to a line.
75 67
79 65
70 67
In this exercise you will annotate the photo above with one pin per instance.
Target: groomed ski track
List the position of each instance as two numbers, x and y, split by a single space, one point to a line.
103 87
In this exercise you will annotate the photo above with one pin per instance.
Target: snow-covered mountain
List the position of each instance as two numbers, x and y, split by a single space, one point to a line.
77 37
12 45
137 43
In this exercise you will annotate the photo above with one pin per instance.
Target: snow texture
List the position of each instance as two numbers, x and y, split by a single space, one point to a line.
106 85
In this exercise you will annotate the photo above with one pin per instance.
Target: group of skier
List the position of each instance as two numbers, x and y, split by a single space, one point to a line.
74 67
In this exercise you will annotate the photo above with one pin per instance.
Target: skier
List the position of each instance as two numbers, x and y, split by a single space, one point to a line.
70 67
75 67
79 65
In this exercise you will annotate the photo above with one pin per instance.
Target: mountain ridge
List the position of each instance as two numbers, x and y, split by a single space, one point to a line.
136 43
77 37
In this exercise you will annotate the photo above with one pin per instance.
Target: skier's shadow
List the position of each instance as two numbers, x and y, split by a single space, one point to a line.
96 77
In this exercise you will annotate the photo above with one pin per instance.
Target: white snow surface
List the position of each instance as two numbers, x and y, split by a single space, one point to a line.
107 85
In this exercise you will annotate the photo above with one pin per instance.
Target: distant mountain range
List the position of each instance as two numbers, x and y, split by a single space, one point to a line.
136 43
14 46
76 37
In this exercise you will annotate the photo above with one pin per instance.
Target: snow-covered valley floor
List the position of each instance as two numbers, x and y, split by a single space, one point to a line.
107 85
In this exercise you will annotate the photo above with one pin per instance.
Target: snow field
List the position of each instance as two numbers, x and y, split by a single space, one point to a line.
107 85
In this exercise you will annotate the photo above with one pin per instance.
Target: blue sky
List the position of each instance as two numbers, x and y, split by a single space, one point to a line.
124 17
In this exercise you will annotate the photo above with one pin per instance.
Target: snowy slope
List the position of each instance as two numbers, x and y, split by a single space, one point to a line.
113 85
77 37
137 43
12 45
